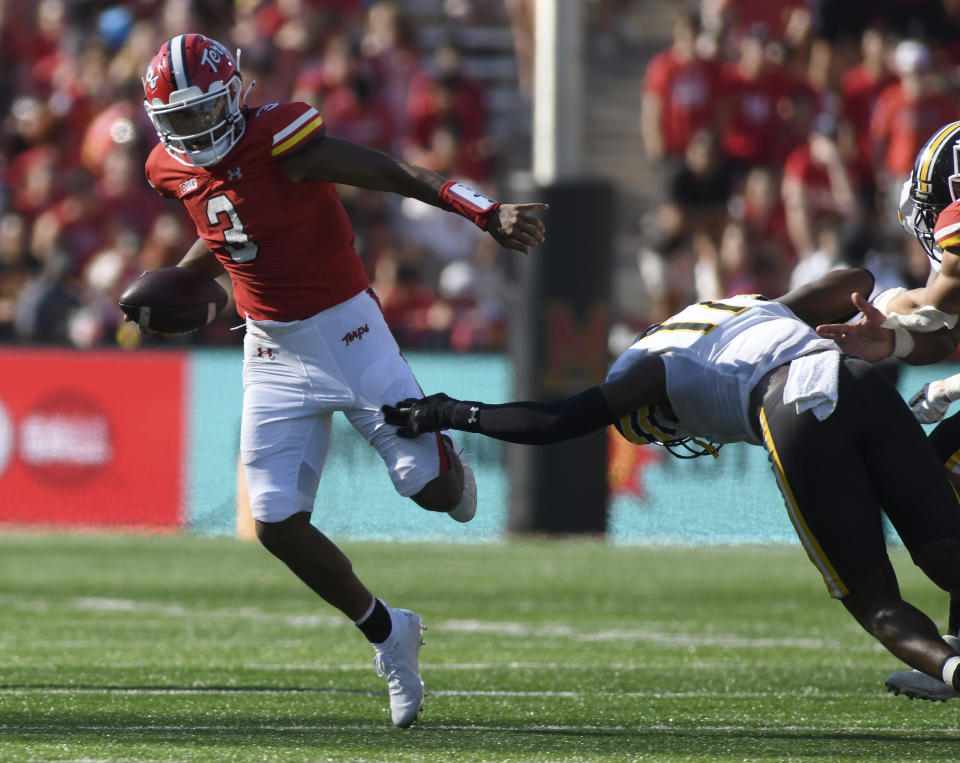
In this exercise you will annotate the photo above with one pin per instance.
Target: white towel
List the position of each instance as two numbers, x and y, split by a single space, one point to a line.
812 383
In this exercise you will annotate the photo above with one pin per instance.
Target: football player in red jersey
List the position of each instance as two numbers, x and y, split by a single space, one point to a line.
258 184
921 325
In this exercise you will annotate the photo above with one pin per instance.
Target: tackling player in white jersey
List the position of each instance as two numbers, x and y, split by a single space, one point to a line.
752 370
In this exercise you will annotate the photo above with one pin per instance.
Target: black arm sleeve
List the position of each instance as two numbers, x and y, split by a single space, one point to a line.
531 423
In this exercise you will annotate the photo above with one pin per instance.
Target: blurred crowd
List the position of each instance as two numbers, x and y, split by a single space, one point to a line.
779 132
783 131
78 221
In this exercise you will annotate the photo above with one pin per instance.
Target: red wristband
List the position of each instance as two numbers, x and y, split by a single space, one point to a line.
456 197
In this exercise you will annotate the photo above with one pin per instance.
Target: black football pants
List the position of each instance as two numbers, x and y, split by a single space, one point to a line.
837 475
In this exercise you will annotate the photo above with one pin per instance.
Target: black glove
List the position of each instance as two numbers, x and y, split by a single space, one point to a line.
435 413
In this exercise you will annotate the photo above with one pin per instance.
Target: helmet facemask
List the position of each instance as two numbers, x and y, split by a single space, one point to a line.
923 221
199 129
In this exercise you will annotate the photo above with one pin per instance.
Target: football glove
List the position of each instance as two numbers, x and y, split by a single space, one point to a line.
931 403
435 413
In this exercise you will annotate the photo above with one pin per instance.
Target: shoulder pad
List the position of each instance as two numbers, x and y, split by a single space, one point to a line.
947 230
291 125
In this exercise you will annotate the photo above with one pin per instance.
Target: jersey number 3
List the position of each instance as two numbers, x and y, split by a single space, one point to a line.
239 245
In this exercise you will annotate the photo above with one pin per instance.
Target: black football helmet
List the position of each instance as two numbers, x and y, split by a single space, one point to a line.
933 184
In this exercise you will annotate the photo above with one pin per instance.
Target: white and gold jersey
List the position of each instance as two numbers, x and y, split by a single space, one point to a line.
714 354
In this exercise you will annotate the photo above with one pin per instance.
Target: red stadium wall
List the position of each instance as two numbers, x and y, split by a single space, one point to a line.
92 438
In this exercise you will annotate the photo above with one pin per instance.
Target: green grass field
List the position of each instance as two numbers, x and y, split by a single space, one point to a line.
180 648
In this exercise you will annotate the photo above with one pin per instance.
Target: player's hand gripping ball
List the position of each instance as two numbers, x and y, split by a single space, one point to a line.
172 300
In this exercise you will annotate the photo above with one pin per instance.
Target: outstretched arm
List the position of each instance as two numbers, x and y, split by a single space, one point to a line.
869 340
941 291
334 160
533 423
827 299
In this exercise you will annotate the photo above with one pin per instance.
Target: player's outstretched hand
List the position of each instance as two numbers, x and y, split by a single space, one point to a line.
866 339
415 416
516 227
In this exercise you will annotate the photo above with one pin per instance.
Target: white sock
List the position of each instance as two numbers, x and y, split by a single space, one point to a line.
949 669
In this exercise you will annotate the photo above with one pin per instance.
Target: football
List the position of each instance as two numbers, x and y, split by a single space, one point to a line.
173 300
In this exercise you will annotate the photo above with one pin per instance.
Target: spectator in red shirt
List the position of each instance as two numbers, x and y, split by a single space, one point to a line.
389 44
334 70
754 93
405 297
775 15
442 90
76 225
860 87
679 93
760 208
445 104
817 181
906 114
356 112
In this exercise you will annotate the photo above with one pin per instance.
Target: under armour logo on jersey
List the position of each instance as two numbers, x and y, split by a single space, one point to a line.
234 174
474 410
266 352
357 333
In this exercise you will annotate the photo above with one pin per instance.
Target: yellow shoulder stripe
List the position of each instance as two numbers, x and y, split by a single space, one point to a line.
298 136
950 241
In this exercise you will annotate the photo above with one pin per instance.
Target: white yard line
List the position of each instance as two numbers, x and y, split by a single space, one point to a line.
256 691
507 629
247 727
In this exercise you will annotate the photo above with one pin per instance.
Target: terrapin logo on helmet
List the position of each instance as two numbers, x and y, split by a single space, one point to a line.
192 95
933 184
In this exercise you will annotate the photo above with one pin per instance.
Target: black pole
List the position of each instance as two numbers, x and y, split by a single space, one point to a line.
559 347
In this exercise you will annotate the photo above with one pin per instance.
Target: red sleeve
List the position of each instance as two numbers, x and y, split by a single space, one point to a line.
153 169
947 230
292 126
878 120
796 163
655 78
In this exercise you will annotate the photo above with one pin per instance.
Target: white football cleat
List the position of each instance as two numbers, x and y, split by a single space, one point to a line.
467 508
398 659
917 685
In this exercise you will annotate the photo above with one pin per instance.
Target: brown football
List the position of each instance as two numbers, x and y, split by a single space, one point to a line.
173 300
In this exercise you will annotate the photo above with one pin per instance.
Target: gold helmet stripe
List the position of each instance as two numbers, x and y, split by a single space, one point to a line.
642 427
924 175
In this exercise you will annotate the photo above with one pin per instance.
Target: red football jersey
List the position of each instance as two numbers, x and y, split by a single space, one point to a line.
688 97
288 247
947 230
